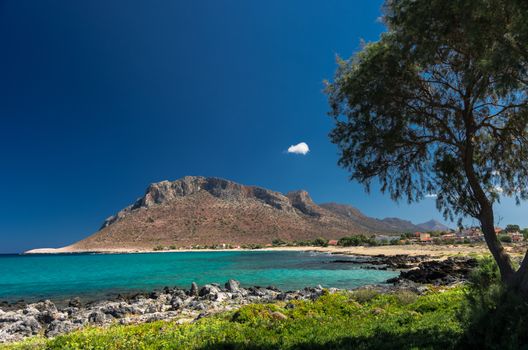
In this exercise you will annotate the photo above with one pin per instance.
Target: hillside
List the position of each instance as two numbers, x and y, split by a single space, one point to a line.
433 225
206 211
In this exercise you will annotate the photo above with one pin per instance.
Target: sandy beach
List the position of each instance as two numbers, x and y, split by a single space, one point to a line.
434 251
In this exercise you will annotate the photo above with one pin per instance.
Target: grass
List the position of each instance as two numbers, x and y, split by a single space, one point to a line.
358 320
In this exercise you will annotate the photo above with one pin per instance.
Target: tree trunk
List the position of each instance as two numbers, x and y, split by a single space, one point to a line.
519 281
485 215
494 245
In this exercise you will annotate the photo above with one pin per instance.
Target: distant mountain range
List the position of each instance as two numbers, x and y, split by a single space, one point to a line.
204 211
433 225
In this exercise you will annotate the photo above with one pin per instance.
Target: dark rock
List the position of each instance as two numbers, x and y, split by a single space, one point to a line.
176 303
208 289
273 288
27 327
96 317
232 286
194 289
75 302
47 317
444 272
60 327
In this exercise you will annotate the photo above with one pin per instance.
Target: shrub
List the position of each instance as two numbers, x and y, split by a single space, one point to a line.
320 242
356 240
158 247
406 297
505 238
278 242
493 317
364 295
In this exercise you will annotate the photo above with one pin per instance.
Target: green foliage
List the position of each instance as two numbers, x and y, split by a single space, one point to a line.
430 106
505 238
320 242
158 248
512 228
356 241
334 321
493 317
278 242
395 241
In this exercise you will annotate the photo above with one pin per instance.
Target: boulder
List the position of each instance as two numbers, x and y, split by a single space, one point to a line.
208 290
75 302
60 327
96 317
176 303
194 289
232 286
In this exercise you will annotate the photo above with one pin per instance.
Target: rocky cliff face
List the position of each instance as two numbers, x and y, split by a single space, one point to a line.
165 192
207 211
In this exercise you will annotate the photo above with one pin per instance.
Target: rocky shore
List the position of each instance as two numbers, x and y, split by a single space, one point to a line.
45 318
20 320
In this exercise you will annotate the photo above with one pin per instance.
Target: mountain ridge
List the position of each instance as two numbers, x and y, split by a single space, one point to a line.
196 210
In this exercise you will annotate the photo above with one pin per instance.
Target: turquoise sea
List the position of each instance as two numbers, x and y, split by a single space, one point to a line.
94 276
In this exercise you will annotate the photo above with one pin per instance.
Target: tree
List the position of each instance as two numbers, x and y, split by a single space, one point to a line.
512 228
438 105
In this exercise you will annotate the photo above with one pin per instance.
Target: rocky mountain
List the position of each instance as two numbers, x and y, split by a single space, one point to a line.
401 225
205 211
433 225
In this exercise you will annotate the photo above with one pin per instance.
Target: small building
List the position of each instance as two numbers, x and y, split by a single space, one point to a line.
448 236
332 242
425 237
498 230
516 236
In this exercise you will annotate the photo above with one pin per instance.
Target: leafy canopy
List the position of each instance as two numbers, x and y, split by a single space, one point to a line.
439 104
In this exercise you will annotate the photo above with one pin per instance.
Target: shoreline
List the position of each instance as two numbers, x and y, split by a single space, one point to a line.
418 275
433 251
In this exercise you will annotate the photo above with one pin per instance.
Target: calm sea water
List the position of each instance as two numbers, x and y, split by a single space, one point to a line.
92 276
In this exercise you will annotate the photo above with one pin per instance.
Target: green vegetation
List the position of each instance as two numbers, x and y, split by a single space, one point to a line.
318 242
494 317
505 238
357 240
158 248
359 320
512 228
278 242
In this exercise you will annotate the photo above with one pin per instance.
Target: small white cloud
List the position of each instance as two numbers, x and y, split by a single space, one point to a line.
300 148
431 195
498 189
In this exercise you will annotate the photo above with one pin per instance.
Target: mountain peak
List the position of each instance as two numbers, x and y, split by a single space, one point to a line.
433 225
197 210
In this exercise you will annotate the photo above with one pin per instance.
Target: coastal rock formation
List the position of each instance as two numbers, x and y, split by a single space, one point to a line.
177 304
205 211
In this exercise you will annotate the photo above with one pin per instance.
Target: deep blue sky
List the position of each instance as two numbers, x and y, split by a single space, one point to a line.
100 98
